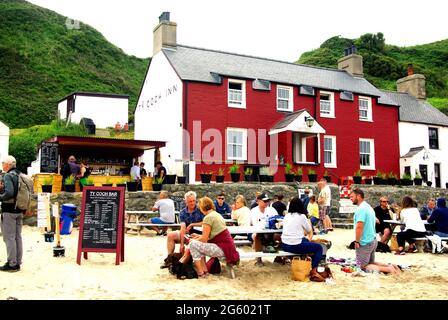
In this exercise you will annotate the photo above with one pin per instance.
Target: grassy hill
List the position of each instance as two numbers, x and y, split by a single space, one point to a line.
41 61
384 64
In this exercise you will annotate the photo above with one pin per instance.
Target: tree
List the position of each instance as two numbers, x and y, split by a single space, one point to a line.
372 42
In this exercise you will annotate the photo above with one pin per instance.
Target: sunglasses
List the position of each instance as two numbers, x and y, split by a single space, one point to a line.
220 198
266 201
384 201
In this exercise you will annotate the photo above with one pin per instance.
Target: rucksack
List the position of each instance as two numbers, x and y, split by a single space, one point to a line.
25 189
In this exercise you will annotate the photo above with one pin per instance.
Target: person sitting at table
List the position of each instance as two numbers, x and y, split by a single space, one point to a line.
241 212
383 212
297 233
254 202
279 205
189 217
440 218
165 206
427 209
414 226
215 240
259 215
221 206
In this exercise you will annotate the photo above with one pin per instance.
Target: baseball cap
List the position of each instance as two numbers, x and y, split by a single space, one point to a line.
263 197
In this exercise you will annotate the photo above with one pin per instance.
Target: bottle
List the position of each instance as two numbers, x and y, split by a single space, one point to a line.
266 225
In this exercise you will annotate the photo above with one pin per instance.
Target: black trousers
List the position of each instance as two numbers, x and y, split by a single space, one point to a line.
408 236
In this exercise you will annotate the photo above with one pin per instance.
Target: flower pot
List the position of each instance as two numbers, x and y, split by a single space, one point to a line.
49 236
368 181
219 179
121 185
289 177
170 179
298 178
263 177
235 177
312 177
377 180
132 186
418 182
181 179
69 188
357 179
47 188
391 181
328 178
206 178
406 182
107 184
58 251
157 186
429 183
270 179
247 177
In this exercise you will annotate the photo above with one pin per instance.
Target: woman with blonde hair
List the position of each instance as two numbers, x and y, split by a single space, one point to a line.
240 211
215 240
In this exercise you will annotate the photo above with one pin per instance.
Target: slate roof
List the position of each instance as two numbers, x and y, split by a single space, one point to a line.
287 120
196 64
413 151
414 110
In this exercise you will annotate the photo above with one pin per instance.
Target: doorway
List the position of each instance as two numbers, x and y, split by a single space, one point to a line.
437 174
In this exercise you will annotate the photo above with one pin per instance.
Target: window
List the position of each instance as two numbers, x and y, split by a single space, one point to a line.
329 152
237 94
365 109
284 98
236 144
433 138
326 104
366 154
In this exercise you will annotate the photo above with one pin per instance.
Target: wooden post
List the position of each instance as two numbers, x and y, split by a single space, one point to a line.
56 219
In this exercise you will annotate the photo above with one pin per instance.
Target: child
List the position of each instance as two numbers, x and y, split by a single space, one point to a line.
313 211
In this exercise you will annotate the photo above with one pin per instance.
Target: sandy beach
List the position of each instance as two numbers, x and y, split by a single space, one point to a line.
140 277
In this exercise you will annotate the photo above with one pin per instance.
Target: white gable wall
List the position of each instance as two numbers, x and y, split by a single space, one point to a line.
416 135
4 140
158 115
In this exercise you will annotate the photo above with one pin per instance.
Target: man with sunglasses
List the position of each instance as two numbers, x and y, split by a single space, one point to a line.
222 207
384 212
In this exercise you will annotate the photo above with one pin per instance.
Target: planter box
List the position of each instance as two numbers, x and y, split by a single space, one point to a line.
132 186
289 177
247 177
298 178
368 181
377 180
406 182
391 181
181 180
235 177
47 188
206 178
69 188
219 179
418 182
263 178
357 179
157 187
312 177
170 179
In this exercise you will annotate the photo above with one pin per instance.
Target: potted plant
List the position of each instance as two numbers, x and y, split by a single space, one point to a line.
122 183
132 185
69 183
429 183
108 182
289 173
181 179
377 179
298 175
248 174
418 178
327 176
406 180
220 175
170 179
368 180
158 183
357 177
206 177
312 176
264 172
392 179
47 184
234 171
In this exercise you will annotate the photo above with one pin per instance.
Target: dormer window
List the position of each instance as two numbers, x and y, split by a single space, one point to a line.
237 94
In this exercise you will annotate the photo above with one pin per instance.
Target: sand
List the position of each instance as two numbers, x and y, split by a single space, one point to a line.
139 277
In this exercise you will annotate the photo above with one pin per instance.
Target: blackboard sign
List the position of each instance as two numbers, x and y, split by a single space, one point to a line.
102 218
179 202
49 157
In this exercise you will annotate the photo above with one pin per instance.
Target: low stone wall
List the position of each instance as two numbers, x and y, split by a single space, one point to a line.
145 200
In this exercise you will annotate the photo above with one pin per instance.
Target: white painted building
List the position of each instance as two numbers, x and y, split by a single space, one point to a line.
104 109
4 140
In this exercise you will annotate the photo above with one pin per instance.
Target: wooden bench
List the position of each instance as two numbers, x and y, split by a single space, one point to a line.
420 243
138 226
242 242
260 254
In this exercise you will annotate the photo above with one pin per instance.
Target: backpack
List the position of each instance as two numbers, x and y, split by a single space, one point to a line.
25 189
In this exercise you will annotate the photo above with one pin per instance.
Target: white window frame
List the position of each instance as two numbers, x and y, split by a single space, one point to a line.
369 108
244 144
243 94
372 154
331 114
290 98
333 163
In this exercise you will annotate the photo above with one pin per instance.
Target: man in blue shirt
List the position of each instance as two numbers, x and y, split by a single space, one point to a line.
222 207
440 218
365 236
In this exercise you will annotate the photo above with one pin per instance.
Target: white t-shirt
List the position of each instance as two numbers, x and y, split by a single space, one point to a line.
166 209
293 226
326 192
411 218
258 218
242 215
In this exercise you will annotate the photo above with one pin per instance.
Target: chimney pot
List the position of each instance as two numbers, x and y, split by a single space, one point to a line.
410 69
165 16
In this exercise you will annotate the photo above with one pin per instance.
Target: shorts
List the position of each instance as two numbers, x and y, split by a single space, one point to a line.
157 220
366 254
380 227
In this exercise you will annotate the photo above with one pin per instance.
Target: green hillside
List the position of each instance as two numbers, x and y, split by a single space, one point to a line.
41 61
384 64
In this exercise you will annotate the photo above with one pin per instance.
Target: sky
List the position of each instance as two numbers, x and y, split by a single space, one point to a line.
280 29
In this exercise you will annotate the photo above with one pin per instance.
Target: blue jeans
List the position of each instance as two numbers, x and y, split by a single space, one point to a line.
441 234
306 247
157 220
314 221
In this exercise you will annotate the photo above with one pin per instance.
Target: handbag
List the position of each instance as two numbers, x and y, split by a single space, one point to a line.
317 276
300 269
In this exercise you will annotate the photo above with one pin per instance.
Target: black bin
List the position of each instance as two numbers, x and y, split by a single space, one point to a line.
89 125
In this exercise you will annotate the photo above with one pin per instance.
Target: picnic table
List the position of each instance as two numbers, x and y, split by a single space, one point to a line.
246 230
419 241
133 220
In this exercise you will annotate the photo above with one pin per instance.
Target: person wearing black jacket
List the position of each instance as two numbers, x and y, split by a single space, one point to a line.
12 218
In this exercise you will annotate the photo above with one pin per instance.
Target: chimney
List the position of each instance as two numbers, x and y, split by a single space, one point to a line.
351 62
413 84
164 33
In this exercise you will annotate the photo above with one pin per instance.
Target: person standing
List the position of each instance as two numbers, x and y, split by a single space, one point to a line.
160 170
143 174
365 236
12 218
324 202
70 168
135 172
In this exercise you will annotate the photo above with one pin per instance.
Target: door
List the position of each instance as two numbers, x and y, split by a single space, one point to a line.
423 168
437 174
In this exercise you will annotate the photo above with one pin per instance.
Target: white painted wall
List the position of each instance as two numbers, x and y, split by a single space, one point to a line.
415 135
4 140
158 115
104 111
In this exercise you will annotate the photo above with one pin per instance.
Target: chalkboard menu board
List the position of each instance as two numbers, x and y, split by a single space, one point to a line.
101 225
49 157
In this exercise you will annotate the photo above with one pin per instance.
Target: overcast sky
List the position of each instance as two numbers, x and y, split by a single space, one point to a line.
280 29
